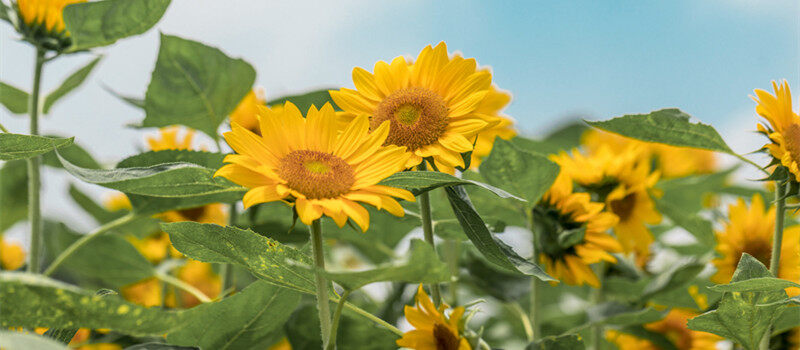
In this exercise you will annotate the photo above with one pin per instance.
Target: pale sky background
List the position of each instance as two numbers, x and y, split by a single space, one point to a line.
597 59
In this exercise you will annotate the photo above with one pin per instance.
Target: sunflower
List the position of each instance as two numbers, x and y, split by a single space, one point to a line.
12 255
44 19
431 105
560 211
311 162
503 126
201 276
433 330
673 327
670 161
623 180
245 112
750 231
169 139
784 126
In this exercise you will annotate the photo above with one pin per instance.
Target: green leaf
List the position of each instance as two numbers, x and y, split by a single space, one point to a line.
524 173
564 138
14 99
96 211
759 284
13 193
493 249
246 320
669 126
109 260
677 276
500 284
18 146
744 317
24 341
303 102
195 85
561 342
42 302
159 346
163 180
133 101
616 314
73 81
266 258
697 226
377 248
419 182
421 266
74 153
62 335
101 23
302 331
688 192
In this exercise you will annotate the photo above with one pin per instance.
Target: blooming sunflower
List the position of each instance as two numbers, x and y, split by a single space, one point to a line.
245 112
431 105
784 126
312 162
623 180
674 328
44 18
750 231
433 330
561 210
12 255
502 126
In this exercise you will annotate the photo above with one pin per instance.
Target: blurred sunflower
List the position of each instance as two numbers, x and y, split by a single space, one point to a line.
670 161
622 180
783 129
674 328
502 126
12 255
431 105
201 276
323 169
572 233
43 21
245 112
750 231
433 330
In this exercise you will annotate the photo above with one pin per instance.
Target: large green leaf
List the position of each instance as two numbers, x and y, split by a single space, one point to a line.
159 346
73 81
689 192
18 146
304 101
526 174
699 227
101 23
758 284
32 301
617 314
302 331
564 138
419 182
246 320
13 193
109 261
74 153
677 276
493 249
195 85
26 341
669 126
14 99
744 317
501 284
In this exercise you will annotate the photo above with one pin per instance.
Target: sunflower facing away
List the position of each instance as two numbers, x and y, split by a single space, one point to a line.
750 231
431 105
503 126
562 210
245 112
783 129
433 330
673 327
323 169
44 18
622 180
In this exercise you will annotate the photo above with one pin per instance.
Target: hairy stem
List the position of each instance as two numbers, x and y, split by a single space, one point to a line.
322 283
427 229
34 165
337 314
86 239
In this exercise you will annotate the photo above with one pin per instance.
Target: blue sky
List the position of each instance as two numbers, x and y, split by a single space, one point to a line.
596 59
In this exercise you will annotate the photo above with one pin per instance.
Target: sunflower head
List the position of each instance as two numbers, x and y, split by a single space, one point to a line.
315 163
245 112
782 128
502 126
147 292
42 22
433 329
433 106
572 233
168 139
673 327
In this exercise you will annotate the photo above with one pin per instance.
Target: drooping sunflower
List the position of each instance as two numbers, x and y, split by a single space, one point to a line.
623 180
749 230
431 104
313 163
245 112
502 126
783 127
44 19
674 328
562 211
433 330
12 255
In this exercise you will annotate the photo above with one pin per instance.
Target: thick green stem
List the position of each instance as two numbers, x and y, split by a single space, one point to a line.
337 315
535 284
777 240
86 239
322 283
177 283
226 270
452 250
34 165
597 297
427 229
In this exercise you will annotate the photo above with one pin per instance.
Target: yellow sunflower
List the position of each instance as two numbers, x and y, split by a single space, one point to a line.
503 126
45 14
431 105
564 210
433 330
670 161
169 139
674 328
623 180
750 230
12 255
245 112
312 162
784 126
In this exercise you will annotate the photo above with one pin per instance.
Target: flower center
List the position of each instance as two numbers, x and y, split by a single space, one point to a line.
193 214
417 115
445 339
316 174
791 141
759 249
623 208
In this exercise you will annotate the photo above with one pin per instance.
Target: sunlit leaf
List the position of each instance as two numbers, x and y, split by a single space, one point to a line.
758 284
18 146
100 23
523 173
423 181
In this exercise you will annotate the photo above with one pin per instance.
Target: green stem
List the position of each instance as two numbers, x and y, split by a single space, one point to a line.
86 239
336 316
322 283
777 240
373 318
226 270
3 128
523 317
427 230
452 252
34 165
535 284
177 283
597 297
